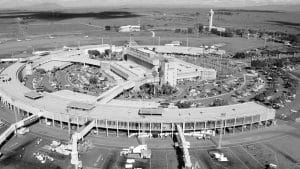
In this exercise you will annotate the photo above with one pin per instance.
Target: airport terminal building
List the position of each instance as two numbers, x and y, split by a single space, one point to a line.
67 108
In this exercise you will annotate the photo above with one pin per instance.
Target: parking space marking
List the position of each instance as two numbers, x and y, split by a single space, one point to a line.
197 163
238 158
98 159
105 158
117 162
251 156
167 160
275 154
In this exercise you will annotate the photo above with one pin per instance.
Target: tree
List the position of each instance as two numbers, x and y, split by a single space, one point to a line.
167 89
41 71
240 55
183 105
94 53
107 28
93 80
227 33
177 30
189 30
107 52
75 89
154 74
219 102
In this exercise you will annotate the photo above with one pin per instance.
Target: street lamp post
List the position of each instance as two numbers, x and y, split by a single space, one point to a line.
221 130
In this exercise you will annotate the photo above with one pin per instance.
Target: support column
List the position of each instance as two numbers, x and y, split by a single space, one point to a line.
234 124
60 118
183 127
225 124
172 130
251 122
127 128
69 125
139 127
216 125
53 121
150 128
117 128
77 120
97 127
161 129
106 128
46 120
243 124
194 127
205 125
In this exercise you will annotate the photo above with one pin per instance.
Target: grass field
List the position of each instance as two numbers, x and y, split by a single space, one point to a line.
71 28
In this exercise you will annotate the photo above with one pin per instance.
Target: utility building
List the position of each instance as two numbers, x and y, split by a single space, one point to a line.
169 72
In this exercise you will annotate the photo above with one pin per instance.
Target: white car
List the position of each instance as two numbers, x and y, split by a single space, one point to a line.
48 123
294 111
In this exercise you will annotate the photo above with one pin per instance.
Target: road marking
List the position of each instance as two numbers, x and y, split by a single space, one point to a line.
104 159
98 159
252 156
11 146
116 163
238 158
275 154
196 164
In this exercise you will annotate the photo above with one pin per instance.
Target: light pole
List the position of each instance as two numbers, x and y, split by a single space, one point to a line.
187 40
16 116
159 41
32 48
221 130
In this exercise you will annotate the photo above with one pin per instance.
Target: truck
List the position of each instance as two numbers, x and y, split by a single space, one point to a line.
272 166
219 156
141 151
22 130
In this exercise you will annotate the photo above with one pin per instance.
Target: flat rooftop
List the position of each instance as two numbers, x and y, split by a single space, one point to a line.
33 95
80 105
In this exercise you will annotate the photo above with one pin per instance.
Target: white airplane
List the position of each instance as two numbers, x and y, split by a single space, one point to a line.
51 37
41 53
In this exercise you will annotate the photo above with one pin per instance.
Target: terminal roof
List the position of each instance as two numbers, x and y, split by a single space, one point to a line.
33 95
80 105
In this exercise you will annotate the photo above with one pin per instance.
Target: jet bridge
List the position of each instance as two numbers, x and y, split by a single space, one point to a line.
184 145
12 128
75 138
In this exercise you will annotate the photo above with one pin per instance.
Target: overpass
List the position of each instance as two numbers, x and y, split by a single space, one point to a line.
114 92
184 145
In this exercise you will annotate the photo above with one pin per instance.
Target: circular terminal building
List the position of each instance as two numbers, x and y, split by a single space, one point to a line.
74 109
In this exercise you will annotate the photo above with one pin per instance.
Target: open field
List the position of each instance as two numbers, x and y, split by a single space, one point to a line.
160 18
25 48
71 28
